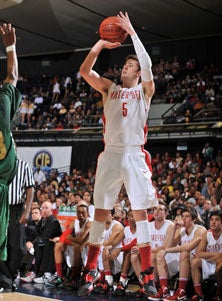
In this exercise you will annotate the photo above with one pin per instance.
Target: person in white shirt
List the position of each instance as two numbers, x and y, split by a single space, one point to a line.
39 176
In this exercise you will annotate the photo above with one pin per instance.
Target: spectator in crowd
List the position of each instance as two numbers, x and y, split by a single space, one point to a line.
10 99
31 109
207 152
87 197
30 233
55 91
24 109
200 207
47 229
39 176
215 201
177 200
209 94
207 208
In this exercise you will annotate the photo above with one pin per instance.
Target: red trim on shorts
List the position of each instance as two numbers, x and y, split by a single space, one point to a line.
147 159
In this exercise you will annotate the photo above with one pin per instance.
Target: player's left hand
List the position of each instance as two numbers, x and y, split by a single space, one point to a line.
110 45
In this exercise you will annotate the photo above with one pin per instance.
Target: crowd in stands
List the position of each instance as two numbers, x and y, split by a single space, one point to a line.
67 102
181 180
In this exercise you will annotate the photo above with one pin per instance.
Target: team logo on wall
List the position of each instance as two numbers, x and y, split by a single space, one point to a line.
42 158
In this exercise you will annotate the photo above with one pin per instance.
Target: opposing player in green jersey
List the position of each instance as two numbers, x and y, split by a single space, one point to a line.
10 99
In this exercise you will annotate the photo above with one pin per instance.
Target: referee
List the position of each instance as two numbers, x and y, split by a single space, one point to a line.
21 193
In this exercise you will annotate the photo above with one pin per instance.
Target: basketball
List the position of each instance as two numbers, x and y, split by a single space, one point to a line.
111 32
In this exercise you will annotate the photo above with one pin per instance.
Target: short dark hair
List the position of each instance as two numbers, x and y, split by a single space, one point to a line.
192 211
217 213
34 208
83 206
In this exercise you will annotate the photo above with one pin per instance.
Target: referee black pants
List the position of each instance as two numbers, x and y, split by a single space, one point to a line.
16 244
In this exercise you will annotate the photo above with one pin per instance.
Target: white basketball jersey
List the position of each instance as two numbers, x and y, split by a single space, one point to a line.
128 236
125 116
158 235
185 238
213 245
77 228
108 232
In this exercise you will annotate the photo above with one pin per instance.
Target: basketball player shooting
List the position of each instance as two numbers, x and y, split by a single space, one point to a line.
124 160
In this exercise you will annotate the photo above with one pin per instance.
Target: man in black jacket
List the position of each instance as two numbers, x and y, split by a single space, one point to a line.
46 229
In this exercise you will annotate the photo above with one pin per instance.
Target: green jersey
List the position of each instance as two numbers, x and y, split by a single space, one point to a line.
10 99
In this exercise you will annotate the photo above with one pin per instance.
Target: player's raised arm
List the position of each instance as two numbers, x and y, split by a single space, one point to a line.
9 39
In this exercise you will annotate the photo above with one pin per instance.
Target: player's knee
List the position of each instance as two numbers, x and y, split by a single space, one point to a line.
196 262
185 255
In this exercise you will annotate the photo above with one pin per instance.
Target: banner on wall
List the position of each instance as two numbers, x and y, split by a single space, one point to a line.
47 157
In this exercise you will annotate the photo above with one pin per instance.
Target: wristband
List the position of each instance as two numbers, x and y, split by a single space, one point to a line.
10 48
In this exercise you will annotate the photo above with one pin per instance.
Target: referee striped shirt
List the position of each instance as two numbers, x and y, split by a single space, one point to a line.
22 180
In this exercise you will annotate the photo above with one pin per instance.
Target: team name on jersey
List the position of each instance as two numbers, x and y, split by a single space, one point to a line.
157 237
214 248
121 95
128 240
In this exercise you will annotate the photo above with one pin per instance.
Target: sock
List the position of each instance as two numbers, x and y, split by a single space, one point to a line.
198 289
108 272
163 282
183 283
93 255
102 276
123 278
59 270
109 277
145 255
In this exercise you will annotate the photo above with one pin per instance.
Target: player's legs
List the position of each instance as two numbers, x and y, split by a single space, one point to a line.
107 187
123 281
196 275
137 180
135 261
184 273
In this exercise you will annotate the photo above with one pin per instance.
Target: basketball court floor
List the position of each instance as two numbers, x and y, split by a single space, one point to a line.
41 292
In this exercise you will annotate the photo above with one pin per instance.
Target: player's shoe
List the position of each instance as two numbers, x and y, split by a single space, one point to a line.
162 293
120 289
98 287
180 294
197 298
90 278
106 288
28 278
57 281
146 279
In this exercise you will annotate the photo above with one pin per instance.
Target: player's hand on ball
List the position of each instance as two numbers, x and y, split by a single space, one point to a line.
125 23
110 45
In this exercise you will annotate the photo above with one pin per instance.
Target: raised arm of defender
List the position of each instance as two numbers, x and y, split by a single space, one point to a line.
9 40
